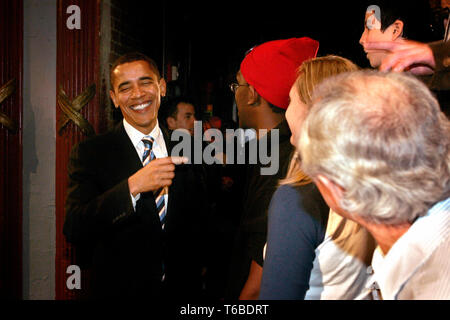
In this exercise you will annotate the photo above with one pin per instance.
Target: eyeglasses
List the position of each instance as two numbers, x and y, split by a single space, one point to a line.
250 50
234 86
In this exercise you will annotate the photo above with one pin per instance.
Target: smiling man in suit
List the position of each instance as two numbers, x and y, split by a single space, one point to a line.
139 211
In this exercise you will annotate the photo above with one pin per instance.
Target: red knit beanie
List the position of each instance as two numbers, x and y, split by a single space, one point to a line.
271 67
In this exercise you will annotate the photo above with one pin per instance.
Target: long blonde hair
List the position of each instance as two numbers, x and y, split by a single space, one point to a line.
309 75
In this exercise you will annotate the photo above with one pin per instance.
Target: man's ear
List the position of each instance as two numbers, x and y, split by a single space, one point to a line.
397 31
162 87
113 98
171 123
331 192
253 96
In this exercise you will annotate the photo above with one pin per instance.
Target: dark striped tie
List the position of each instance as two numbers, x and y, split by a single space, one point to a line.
159 194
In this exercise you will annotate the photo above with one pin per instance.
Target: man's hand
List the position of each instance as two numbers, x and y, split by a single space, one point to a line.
405 55
155 175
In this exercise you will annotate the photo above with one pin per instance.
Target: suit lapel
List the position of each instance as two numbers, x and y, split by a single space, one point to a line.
126 163
124 153
166 134
130 163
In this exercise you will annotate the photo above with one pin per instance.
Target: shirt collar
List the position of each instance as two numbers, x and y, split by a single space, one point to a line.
392 271
136 136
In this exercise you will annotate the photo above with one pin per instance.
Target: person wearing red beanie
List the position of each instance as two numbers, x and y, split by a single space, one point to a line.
261 92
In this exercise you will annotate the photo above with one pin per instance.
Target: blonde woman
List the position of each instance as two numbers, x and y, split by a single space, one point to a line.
311 253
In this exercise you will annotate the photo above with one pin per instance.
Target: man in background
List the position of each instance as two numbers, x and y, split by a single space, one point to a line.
180 114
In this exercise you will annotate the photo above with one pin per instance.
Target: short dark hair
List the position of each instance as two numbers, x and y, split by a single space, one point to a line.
131 57
276 109
415 16
172 105
273 107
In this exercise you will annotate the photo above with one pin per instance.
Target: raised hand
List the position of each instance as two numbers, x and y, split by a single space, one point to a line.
155 175
405 55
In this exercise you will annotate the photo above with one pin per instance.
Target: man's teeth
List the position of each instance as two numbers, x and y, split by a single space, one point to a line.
140 106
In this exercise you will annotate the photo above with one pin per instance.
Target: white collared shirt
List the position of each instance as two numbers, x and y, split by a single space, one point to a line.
339 270
418 265
159 149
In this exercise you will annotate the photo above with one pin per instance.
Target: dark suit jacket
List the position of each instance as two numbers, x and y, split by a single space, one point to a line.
441 77
126 248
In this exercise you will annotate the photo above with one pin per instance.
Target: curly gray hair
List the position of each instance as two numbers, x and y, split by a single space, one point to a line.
383 138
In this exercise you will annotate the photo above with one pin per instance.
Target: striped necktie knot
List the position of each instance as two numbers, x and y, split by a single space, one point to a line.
148 154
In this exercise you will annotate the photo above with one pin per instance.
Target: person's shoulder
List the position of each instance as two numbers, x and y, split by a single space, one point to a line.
285 196
98 142
288 208
302 191
286 190
304 201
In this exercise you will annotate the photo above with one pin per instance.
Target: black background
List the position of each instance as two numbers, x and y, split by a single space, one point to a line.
207 40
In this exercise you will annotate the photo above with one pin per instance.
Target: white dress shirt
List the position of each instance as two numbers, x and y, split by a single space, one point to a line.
339 268
418 264
159 149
